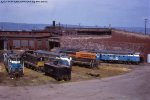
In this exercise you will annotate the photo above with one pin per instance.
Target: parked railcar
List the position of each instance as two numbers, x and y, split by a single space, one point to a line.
48 55
105 56
36 59
13 64
51 56
83 57
58 69
33 61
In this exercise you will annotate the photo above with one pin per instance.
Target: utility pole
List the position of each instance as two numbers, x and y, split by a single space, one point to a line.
146 20
2 28
109 26
79 25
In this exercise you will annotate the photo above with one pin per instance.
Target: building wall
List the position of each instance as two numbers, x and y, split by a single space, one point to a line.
118 40
25 39
141 42
26 43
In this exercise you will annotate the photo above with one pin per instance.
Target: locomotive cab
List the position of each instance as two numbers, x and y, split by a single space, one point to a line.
15 62
64 60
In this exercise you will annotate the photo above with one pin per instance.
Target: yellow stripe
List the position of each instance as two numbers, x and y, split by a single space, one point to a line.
40 64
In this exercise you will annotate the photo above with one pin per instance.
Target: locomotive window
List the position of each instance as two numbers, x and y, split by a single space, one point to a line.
18 59
55 62
40 59
63 62
13 59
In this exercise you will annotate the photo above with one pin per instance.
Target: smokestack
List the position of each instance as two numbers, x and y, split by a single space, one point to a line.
54 24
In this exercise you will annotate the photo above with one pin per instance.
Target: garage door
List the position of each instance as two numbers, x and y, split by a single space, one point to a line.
16 43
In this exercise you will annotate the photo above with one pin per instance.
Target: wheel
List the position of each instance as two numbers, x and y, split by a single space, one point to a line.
27 65
92 64
67 78
96 65
46 73
11 75
38 69
21 73
58 79
6 69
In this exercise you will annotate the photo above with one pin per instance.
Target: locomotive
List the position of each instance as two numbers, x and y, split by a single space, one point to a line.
60 69
33 61
13 64
107 56
53 64
133 58
82 57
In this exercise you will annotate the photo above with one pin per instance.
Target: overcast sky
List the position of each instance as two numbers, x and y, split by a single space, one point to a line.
123 13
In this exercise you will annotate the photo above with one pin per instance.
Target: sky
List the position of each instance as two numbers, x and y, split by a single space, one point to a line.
118 13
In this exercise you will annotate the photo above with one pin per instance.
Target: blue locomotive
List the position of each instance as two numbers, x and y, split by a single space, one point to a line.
13 64
130 58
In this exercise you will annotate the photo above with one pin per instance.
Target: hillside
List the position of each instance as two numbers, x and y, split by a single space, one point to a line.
20 26
8 26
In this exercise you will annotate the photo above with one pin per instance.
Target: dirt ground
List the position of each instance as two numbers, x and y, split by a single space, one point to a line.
33 78
131 86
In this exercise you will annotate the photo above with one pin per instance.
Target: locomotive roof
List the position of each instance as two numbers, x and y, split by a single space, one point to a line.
47 52
13 55
115 51
99 51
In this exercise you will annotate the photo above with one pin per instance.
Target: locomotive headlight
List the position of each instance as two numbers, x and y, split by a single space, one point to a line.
15 62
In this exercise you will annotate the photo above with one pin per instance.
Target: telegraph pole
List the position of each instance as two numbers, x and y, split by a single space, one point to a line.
146 20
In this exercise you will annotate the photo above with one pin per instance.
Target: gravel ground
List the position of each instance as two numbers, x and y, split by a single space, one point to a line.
33 78
131 86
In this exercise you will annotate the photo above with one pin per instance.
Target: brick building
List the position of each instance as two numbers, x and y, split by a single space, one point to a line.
78 38
117 40
24 40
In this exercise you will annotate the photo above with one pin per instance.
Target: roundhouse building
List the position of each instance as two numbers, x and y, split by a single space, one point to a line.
24 40
78 38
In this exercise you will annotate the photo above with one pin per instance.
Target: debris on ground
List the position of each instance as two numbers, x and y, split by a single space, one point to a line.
93 74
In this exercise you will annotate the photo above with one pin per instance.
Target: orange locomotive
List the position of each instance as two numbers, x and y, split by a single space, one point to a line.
85 57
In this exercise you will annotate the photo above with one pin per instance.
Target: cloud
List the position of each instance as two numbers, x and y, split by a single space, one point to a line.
86 12
30 11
